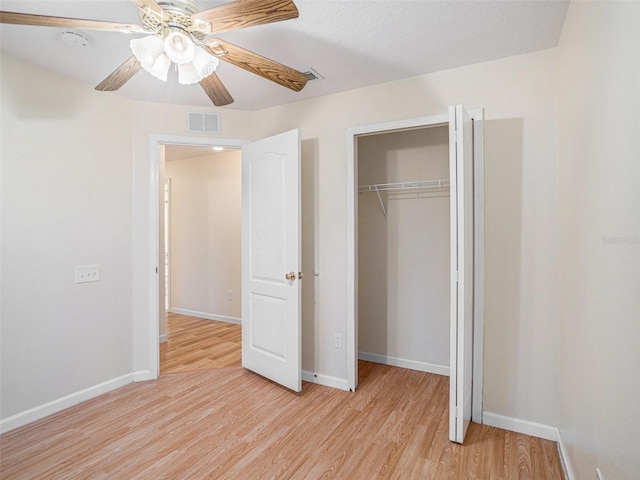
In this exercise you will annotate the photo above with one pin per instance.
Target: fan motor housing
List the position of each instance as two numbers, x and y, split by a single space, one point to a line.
177 15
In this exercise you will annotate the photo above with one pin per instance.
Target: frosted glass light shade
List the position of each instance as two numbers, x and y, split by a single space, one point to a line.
179 48
204 62
155 56
149 51
160 68
187 74
202 65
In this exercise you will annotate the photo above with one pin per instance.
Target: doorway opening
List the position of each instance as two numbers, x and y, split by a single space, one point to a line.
202 280
158 144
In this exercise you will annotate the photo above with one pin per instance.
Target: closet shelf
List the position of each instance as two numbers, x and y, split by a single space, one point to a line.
424 185
403 186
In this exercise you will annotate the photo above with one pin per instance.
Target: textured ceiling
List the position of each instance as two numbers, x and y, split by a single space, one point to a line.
350 43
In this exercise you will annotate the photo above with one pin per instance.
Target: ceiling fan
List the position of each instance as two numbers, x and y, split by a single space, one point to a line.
179 32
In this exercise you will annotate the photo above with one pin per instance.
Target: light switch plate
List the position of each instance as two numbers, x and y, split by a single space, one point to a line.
87 273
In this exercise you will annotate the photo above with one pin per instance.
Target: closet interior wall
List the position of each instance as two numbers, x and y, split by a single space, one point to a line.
403 257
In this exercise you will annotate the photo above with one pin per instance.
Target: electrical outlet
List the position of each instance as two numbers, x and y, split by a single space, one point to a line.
337 340
87 273
229 295
599 474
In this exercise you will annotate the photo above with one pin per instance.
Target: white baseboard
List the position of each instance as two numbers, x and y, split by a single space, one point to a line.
534 429
564 459
325 380
404 363
206 316
143 376
41 411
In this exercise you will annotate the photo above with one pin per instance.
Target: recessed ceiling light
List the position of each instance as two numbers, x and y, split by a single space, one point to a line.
218 149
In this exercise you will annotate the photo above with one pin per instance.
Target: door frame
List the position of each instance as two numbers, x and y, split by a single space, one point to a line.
155 142
352 241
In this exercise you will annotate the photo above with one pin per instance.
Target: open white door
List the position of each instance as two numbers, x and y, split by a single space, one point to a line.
461 191
271 326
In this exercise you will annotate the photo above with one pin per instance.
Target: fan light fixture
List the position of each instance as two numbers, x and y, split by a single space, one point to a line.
155 54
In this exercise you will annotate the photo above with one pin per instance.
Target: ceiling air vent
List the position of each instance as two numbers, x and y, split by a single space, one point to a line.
203 122
312 74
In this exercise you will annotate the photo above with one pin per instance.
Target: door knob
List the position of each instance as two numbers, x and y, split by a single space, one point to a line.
291 276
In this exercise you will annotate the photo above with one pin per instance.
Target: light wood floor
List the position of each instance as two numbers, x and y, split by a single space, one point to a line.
229 423
196 344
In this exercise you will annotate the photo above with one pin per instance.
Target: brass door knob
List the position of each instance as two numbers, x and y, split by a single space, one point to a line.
291 276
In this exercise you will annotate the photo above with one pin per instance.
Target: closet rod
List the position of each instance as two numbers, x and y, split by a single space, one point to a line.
423 185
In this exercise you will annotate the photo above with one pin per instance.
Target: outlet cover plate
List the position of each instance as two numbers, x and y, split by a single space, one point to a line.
87 273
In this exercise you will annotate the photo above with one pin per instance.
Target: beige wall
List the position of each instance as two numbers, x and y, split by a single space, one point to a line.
519 95
599 237
403 257
66 201
205 234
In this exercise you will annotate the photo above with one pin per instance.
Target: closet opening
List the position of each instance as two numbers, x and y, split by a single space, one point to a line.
415 252
403 248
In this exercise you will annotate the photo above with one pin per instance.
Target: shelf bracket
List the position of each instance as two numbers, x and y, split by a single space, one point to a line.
384 210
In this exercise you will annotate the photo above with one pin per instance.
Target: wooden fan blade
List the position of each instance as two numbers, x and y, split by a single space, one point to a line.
120 76
216 91
254 63
246 13
63 22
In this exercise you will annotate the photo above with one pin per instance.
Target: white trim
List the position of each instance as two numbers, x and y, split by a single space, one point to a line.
478 255
564 459
428 121
206 316
143 376
518 425
405 363
325 380
55 406
152 324
352 255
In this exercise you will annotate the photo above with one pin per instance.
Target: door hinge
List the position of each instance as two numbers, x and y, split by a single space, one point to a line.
457 276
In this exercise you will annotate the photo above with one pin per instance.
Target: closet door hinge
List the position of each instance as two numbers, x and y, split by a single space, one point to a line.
457 276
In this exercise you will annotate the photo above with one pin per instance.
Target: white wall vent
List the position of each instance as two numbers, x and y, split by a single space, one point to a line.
203 122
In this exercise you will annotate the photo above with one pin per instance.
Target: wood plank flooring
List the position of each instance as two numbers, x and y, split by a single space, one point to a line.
196 344
229 423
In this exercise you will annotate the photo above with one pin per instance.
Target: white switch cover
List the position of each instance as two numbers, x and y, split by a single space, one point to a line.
87 273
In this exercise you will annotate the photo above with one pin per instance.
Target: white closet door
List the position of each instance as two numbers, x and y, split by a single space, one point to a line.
461 191
271 326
